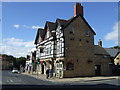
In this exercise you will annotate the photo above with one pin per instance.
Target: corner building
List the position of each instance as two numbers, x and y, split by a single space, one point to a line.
67 47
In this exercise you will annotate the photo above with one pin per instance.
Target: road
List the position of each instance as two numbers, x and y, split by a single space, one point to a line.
12 80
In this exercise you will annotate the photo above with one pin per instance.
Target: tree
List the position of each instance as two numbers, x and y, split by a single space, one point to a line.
15 62
20 61
12 61
116 47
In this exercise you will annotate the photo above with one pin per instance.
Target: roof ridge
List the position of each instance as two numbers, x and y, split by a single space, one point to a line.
50 22
61 19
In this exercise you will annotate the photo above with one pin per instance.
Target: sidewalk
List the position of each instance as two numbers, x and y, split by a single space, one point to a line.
76 79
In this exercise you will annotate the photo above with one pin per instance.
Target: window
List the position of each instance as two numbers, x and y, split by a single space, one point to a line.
58 49
41 50
59 65
118 58
70 66
87 41
72 30
71 38
48 50
77 60
87 33
59 46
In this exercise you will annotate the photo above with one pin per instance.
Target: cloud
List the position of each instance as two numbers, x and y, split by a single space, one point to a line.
16 47
35 27
113 35
26 26
16 26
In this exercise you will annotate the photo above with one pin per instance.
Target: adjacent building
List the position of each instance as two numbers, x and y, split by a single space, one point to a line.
6 64
30 66
113 53
67 47
117 59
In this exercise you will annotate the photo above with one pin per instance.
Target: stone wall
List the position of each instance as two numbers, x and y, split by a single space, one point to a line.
79 48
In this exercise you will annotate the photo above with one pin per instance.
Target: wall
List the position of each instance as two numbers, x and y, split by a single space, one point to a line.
79 49
104 62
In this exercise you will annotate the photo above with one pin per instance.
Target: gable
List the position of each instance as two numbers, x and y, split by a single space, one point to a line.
117 59
61 22
49 26
39 39
48 34
117 55
83 19
40 35
37 36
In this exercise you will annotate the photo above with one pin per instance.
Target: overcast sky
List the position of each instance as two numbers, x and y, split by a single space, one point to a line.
20 21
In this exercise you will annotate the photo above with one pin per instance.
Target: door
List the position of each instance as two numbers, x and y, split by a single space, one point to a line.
97 70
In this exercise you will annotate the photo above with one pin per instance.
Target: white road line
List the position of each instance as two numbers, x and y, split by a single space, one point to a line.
11 80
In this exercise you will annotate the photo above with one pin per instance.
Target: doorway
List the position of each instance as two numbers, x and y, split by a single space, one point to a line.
97 70
42 69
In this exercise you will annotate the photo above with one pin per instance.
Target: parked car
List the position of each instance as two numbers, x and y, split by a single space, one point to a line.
15 70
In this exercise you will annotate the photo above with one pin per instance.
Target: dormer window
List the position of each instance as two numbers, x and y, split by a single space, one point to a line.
87 33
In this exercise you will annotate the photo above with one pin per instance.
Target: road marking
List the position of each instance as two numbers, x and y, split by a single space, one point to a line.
11 80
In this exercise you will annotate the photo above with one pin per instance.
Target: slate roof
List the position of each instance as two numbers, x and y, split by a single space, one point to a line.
40 33
112 52
62 22
100 50
51 25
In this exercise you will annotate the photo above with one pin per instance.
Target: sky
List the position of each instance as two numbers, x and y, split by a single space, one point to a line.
20 21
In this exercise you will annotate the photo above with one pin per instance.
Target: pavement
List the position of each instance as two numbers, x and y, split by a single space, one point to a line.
75 79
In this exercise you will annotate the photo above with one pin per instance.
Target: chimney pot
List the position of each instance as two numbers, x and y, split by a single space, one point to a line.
100 43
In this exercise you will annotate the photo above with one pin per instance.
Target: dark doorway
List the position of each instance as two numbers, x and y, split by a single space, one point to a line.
97 70
42 69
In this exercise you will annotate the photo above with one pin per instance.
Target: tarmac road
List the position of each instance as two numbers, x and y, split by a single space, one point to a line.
14 81
10 78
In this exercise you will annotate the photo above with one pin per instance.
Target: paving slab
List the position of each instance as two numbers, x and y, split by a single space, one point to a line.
76 79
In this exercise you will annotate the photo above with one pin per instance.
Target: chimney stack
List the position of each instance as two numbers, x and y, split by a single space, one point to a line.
100 43
78 9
